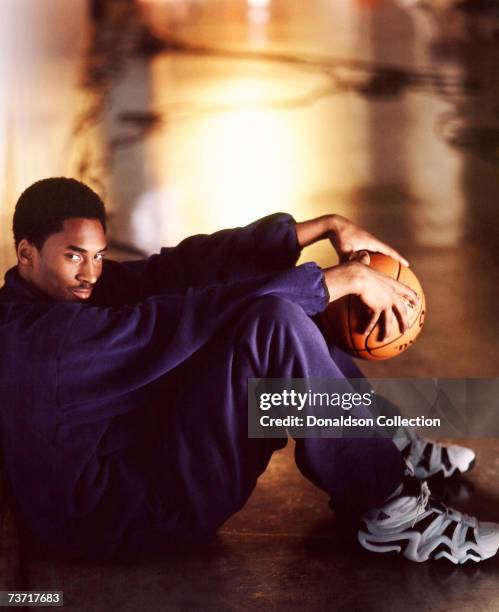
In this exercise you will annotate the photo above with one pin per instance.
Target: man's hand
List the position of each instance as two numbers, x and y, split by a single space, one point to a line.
345 236
383 295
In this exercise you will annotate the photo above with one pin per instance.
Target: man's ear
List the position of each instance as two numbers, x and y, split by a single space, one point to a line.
25 252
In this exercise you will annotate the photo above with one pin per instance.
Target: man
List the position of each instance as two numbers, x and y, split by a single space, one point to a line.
124 386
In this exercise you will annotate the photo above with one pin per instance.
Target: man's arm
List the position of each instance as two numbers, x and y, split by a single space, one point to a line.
230 255
313 230
110 352
346 237
268 245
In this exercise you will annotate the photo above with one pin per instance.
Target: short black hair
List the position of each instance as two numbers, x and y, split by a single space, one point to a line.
45 205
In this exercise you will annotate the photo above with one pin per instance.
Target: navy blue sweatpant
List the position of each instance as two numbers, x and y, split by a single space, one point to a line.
206 465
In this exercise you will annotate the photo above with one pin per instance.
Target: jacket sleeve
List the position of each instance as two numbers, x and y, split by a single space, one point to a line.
267 245
109 352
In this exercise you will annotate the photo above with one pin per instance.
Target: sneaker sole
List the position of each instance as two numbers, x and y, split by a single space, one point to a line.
407 547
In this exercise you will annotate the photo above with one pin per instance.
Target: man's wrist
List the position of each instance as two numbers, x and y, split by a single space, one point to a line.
308 232
335 223
343 279
327 294
311 231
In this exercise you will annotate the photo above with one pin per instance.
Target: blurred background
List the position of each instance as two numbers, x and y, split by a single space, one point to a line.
189 116
192 115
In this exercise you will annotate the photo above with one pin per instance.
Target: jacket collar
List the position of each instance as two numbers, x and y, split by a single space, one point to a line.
19 289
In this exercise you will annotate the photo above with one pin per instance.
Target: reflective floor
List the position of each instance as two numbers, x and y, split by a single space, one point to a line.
193 115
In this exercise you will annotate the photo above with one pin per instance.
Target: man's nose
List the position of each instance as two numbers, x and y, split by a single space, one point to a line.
88 273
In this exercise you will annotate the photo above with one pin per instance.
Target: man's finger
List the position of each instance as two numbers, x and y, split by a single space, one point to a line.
388 324
406 292
372 322
387 250
360 256
402 315
364 258
411 296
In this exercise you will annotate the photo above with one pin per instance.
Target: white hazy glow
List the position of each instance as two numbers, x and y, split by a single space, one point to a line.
258 3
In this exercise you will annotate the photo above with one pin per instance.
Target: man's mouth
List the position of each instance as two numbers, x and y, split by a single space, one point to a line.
82 293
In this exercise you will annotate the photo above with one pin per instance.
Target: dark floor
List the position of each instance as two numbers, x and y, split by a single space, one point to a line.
192 115
285 551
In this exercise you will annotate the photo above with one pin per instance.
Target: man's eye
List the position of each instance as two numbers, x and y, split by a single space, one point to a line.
73 257
99 257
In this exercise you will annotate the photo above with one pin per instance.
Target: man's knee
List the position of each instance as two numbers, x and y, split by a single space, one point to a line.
277 338
273 309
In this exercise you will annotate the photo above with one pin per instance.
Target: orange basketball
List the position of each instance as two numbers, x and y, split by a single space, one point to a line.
345 319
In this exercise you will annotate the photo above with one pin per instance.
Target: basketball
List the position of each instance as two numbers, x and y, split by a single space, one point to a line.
345 319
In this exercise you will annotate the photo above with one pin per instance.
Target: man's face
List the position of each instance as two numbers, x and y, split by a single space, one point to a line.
70 262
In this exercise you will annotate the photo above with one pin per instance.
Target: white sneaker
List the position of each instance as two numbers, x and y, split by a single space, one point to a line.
430 458
421 528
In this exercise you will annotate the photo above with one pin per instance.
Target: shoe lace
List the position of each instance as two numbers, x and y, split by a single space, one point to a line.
450 513
422 501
